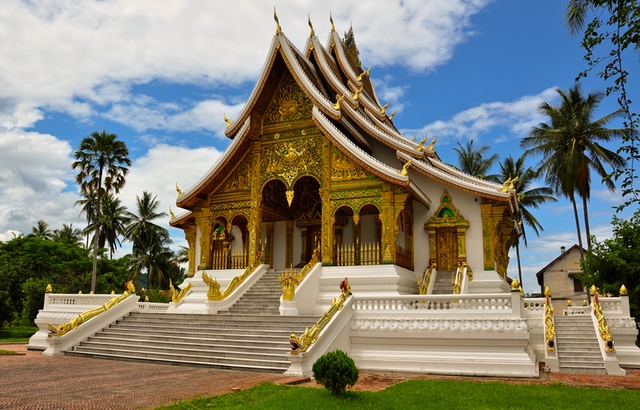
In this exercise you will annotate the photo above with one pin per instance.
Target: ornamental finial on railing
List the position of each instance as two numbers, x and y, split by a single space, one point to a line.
623 291
176 296
310 335
290 279
89 314
549 327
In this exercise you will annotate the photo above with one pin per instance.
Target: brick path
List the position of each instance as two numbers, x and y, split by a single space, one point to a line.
33 381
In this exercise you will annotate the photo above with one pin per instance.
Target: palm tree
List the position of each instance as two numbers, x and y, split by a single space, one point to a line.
88 204
150 242
570 147
68 234
41 230
113 223
527 196
473 161
102 161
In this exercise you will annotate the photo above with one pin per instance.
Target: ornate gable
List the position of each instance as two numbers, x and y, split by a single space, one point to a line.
289 103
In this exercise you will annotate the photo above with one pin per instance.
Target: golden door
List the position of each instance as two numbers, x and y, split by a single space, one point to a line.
447 249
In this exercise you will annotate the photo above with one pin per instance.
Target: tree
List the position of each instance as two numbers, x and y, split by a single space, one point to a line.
41 230
527 196
570 147
113 222
102 161
67 234
149 241
615 262
474 162
88 204
613 28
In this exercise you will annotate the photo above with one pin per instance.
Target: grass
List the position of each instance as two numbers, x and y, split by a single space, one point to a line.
16 334
421 394
7 353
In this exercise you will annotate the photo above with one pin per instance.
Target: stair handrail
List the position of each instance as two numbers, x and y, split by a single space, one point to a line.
423 286
310 335
549 326
457 280
214 293
290 279
603 327
89 314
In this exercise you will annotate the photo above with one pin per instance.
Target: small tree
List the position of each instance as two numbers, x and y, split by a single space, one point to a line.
335 371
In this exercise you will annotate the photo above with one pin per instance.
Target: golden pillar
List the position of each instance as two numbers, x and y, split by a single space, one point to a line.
303 239
326 238
255 217
203 220
190 234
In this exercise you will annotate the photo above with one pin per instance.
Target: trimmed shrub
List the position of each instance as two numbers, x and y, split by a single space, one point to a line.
335 371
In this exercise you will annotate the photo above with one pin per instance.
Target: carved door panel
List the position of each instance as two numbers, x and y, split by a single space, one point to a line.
447 249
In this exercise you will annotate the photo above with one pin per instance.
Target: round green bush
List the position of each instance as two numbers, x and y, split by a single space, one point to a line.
335 371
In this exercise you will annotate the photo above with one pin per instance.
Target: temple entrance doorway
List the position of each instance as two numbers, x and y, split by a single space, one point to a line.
447 249
291 222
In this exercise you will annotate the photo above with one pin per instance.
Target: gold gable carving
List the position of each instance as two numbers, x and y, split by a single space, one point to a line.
238 180
288 104
344 169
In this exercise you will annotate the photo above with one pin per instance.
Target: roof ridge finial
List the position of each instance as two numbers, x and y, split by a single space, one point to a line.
275 17
354 97
312 33
226 120
405 168
339 99
383 110
432 143
362 74
393 115
420 148
333 28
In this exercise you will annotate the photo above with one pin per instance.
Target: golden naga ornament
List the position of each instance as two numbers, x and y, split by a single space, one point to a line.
226 120
393 114
405 168
432 143
356 96
420 146
383 110
173 216
362 74
505 186
512 183
178 190
338 105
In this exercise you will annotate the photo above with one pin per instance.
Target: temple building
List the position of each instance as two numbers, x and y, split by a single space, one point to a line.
316 162
322 227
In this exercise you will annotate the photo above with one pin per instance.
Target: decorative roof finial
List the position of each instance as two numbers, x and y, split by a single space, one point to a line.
513 182
275 17
312 33
178 190
333 28
505 186
405 168
362 74
392 115
227 120
383 110
433 142
173 216
354 97
414 138
337 105
420 147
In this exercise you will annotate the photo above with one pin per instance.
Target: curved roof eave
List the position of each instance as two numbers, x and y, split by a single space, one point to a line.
397 142
356 153
190 193
180 219
465 184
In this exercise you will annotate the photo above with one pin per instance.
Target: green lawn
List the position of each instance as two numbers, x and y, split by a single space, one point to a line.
423 394
16 334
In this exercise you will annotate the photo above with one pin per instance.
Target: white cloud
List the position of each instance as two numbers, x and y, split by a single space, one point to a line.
516 116
145 113
80 57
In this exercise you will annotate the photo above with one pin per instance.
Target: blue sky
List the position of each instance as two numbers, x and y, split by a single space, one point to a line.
160 74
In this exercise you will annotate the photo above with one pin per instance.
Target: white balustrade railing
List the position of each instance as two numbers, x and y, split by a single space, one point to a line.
153 307
486 303
52 300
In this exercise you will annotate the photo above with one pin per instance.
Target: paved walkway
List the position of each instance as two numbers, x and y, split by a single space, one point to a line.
33 381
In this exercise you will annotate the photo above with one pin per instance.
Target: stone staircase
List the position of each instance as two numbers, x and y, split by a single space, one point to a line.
577 345
251 336
442 284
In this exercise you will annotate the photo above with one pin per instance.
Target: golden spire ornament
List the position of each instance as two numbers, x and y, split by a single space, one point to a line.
311 33
337 105
226 120
405 168
383 110
333 28
275 17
